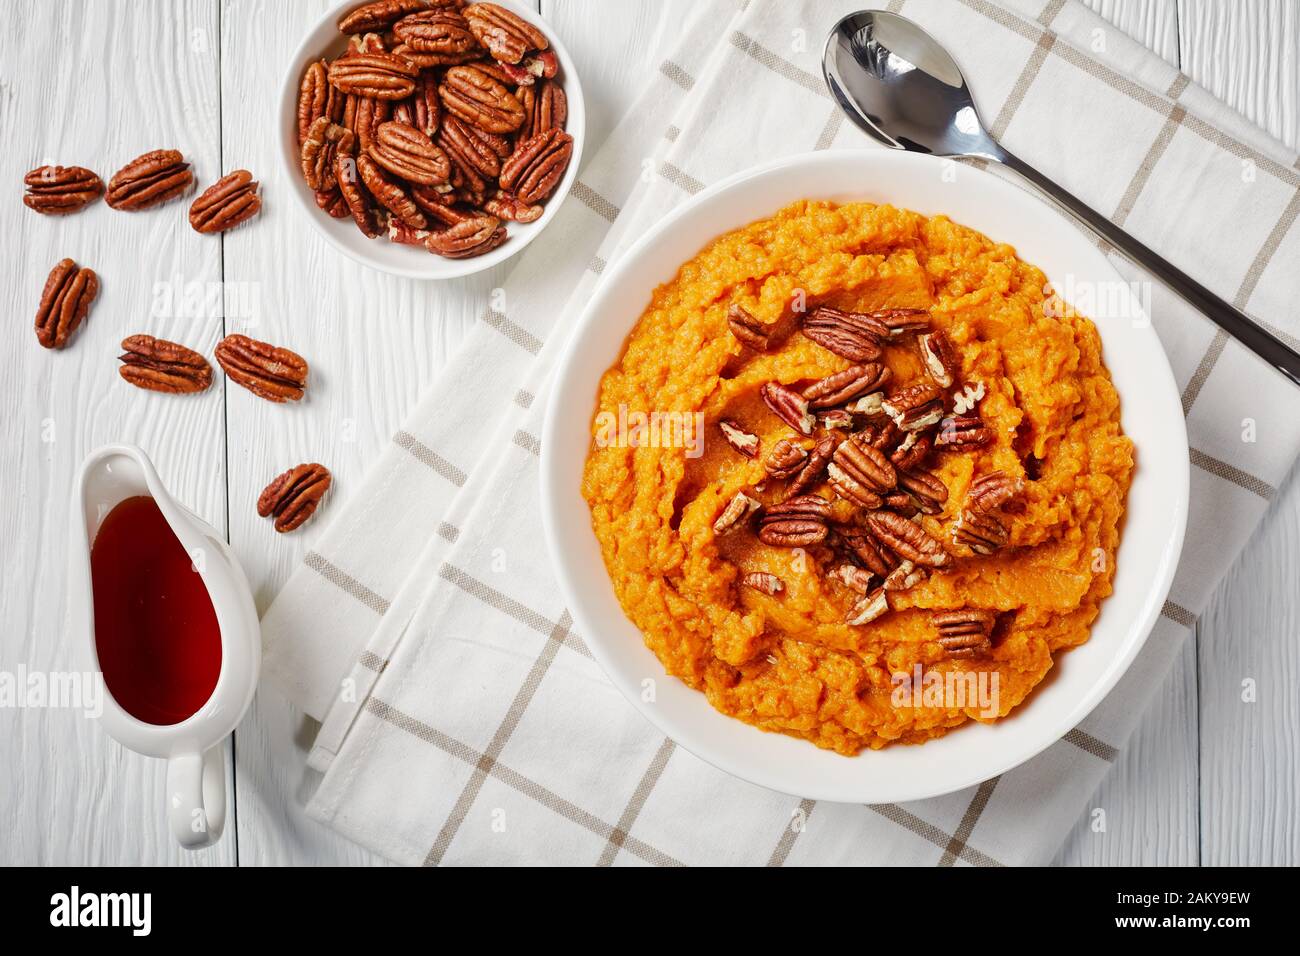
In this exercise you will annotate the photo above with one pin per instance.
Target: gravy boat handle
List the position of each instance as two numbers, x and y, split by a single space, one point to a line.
196 797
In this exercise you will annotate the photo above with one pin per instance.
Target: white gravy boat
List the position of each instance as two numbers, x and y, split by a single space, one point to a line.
196 785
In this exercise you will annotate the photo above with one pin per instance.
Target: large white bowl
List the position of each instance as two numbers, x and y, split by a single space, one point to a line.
1153 531
325 40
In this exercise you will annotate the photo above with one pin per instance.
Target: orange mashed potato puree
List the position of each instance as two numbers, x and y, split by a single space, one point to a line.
788 662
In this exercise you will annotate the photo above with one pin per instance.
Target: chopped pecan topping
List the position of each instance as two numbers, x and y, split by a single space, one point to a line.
811 471
907 539
293 496
59 190
150 179
763 581
785 459
846 385
740 507
789 406
232 199
378 15
964 431
926 489
914 407
965 632
855 336
982 533
940 357
738 438
796 523
747 330
867 608
267 371
990 492
968 397
162 366
65 300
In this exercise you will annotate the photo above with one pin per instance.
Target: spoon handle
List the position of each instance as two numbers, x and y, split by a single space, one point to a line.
1232 320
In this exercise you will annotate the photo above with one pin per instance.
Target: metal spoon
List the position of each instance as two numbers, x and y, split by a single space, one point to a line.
902 88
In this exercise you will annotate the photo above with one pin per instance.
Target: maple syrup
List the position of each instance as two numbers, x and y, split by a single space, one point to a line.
156 630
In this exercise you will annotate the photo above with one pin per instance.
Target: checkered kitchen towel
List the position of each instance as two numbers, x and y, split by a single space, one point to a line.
463 720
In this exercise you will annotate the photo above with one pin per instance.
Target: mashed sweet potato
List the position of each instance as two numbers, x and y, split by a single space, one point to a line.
788 662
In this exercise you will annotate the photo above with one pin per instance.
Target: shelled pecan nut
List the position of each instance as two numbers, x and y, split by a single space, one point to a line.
507 37
378 15
536 166
362 115
968 397
325 140
905 577
65 301
903 321
740 507
865 547
853 577
796 523
763 581
785 459
149 179
545 107
915 407
478 98
398 231
965 632
232 199
269 372
811 471
389 194
438 202
982 532
407 153
317 98
789 406
990 492
940 357
744 442
382 76
835 418
355 198
907 539
964 431
746 329
59 190
162 366
422 109
332 202
470 147
543 64
862 464
444 34
508 206
868 608
293 497
926 489
846 385
912 451
471 237
855 336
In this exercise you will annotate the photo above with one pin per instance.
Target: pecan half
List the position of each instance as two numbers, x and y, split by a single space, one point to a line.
912 451
865 547
272 373
471 237
471 147
853 577
914 407
536 166
382 76
785 459
292 497
535 66
422 109
59 190
507 206
740 507
846 385
746 329
861 467
332 202
162 366
926 490
317 98
325 140
940 357
507 37
981 532
398 231
965 632
478 98
355 198
811 471
855 336
738 438
362 115
65 300
964 431
990 492
907 539
378 15
867 608
389 194
149 179
789 406
796 523
407 153
902 321
443 35
232 199
545 107
763 581
905 577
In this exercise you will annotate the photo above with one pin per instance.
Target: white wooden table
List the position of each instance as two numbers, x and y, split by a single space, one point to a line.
1207 779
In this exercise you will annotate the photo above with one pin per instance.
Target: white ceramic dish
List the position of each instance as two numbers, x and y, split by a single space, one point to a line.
1157 502
325 40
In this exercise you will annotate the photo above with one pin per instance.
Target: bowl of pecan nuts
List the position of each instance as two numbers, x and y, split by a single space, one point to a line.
430 138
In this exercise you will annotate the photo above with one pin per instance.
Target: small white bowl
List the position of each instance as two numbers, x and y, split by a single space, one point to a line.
1153 526
325 40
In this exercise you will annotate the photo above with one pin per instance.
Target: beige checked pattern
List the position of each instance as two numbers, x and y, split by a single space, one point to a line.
464 721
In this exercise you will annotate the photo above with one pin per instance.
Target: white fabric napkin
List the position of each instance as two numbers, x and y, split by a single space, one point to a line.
463 720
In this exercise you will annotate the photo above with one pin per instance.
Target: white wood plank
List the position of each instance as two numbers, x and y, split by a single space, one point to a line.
1153 23
130 77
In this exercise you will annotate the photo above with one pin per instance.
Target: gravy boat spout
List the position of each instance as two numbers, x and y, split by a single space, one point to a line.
129 652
